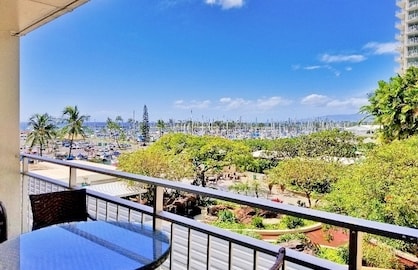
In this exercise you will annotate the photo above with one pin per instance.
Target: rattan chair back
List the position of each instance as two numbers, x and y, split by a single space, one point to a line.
3 223
58 207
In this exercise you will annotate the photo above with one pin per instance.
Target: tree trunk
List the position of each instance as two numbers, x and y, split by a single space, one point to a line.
308 196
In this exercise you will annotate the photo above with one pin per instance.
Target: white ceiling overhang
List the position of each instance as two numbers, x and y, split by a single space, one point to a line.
22 16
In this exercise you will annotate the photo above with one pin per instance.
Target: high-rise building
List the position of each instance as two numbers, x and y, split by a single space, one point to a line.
408 33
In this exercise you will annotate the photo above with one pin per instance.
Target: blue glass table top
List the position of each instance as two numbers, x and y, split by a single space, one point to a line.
87 245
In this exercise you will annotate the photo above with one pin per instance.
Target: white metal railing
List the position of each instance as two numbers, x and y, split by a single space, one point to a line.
412 15
413 3
200 246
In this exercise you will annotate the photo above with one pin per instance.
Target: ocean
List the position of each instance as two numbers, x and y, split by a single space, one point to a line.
92 125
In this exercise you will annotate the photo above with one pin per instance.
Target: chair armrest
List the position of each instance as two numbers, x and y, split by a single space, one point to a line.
281 254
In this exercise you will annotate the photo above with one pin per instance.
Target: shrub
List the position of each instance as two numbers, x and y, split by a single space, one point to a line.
293 222
331 254
257 222
226 216
251 234
343 253
379 256
292 236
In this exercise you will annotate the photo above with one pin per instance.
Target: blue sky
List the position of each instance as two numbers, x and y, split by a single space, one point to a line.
254 60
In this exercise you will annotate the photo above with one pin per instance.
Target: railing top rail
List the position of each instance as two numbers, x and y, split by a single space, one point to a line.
351 223
297 257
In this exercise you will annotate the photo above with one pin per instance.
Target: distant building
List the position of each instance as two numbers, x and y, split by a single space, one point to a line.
408 33
363 130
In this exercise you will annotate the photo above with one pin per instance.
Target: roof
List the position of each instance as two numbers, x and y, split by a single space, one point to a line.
61 173
32 14
98 182
117 188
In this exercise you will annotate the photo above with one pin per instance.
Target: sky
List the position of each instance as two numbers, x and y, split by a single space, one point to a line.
210 60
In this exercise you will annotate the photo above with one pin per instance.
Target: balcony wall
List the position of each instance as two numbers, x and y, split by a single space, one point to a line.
200 246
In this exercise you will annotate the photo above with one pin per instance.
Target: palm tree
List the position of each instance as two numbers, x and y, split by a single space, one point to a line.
132 127
115 130
160 126
43 130
74 124
131 123
119 120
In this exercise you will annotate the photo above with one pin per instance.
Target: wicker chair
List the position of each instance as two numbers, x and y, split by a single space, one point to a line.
58 207
279 264
3 223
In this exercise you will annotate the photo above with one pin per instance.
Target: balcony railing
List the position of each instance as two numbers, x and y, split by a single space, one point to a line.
413 3
196 245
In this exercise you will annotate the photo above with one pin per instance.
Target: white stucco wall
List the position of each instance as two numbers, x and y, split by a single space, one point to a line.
10 184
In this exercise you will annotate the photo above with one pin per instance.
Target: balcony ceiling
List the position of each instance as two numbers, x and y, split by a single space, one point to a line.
22 16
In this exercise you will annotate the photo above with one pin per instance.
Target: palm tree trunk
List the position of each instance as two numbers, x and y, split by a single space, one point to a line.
71 144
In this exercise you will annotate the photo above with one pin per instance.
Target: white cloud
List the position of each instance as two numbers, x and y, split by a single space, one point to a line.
194 104
312 67
232 104
315 100
328 67
353 58
348 103
311 105
262 104
371 48
382 48
235 104
165 4
269 103
333 70
225 100
226 4
336 104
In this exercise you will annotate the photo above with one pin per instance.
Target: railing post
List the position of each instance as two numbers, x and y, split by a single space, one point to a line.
355 250
73 177
25 165
158 207
25 195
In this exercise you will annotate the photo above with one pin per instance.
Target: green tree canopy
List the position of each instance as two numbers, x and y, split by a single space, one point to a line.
383 187
42 130
327 143
313 177
258 144
144 162
285 148
194 156
394 106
